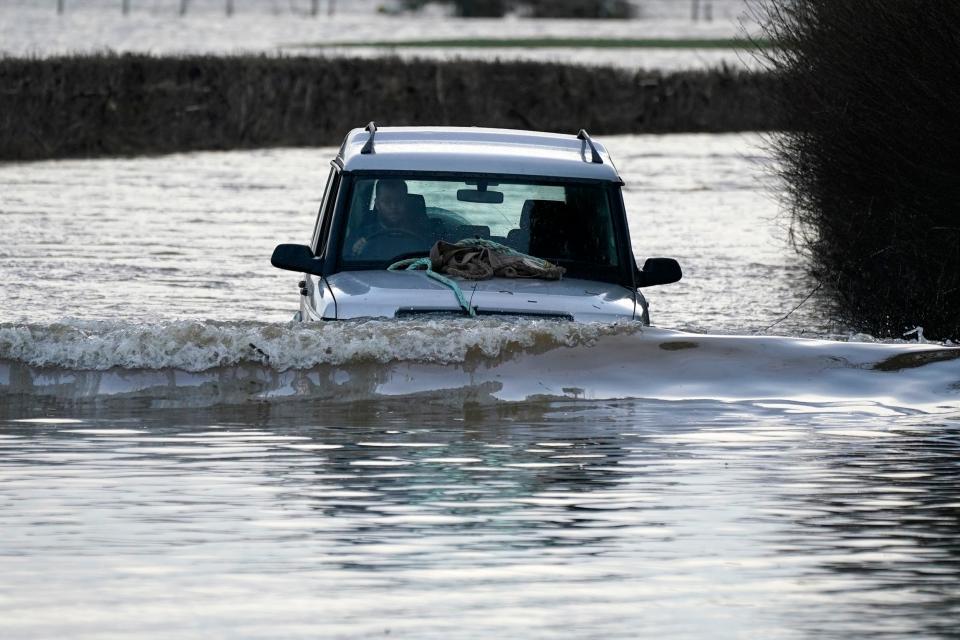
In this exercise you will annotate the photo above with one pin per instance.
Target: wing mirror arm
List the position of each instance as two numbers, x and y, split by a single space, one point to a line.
296 257
658 271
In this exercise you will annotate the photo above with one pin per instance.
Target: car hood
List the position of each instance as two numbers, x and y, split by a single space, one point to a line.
361 294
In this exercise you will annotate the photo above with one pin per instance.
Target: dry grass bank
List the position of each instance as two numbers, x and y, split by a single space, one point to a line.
136 104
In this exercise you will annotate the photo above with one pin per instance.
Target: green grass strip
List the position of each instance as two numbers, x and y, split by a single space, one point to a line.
565 43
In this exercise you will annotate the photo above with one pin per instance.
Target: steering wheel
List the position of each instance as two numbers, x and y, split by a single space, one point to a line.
393 233
392 242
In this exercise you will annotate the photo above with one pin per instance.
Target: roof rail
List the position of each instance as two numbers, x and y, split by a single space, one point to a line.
583 135
368 147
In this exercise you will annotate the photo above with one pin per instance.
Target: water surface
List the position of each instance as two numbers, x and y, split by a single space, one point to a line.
618 519
177 460
190 235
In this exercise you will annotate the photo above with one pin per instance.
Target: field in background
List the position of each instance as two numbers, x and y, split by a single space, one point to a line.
109 105
702 10
266 26
564 42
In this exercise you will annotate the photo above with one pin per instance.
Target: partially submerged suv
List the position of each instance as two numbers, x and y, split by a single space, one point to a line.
394 192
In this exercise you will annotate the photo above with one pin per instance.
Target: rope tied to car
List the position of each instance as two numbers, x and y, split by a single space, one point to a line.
416 264
477 259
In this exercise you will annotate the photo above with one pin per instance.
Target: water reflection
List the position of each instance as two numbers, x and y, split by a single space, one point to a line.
883 510
587 518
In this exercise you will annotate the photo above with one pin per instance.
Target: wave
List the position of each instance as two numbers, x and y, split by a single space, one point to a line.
190 363
201 345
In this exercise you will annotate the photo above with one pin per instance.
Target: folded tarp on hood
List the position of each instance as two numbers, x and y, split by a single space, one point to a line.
479 259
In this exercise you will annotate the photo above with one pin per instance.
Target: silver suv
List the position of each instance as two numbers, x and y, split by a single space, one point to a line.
394 192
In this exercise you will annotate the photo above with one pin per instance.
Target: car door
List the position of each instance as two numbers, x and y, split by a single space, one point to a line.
317 301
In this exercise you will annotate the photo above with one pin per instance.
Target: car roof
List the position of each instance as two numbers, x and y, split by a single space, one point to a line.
476 150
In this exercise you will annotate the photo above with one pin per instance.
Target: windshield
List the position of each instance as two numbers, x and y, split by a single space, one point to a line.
391 218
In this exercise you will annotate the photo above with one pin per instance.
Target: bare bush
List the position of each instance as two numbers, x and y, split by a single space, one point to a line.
109 104
871 156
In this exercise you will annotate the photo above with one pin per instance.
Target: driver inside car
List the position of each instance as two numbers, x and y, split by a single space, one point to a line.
394 226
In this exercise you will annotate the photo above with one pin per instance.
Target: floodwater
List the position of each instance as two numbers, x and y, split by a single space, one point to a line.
188 236
29 28
177 460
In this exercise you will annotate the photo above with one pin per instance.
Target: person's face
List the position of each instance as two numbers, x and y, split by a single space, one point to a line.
391 203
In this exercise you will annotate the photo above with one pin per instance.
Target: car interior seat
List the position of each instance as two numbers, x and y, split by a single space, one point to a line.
553 230
417 208
417 212
519 239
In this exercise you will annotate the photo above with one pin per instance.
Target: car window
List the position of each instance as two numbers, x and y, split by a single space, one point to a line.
323 215
501 217
392 217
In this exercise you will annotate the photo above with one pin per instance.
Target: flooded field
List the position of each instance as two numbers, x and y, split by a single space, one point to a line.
35 29
725 474
190 236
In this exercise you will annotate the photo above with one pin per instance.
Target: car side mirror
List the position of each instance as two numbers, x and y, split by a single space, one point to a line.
659 271
296 257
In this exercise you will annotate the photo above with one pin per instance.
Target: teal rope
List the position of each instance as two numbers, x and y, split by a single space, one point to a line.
415 264
410 264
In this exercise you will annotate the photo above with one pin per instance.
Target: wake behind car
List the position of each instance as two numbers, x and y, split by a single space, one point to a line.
395 193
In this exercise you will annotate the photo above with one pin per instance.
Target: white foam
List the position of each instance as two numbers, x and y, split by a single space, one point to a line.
188 363
201 345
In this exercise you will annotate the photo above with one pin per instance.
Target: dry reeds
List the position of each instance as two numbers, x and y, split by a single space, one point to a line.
871 159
